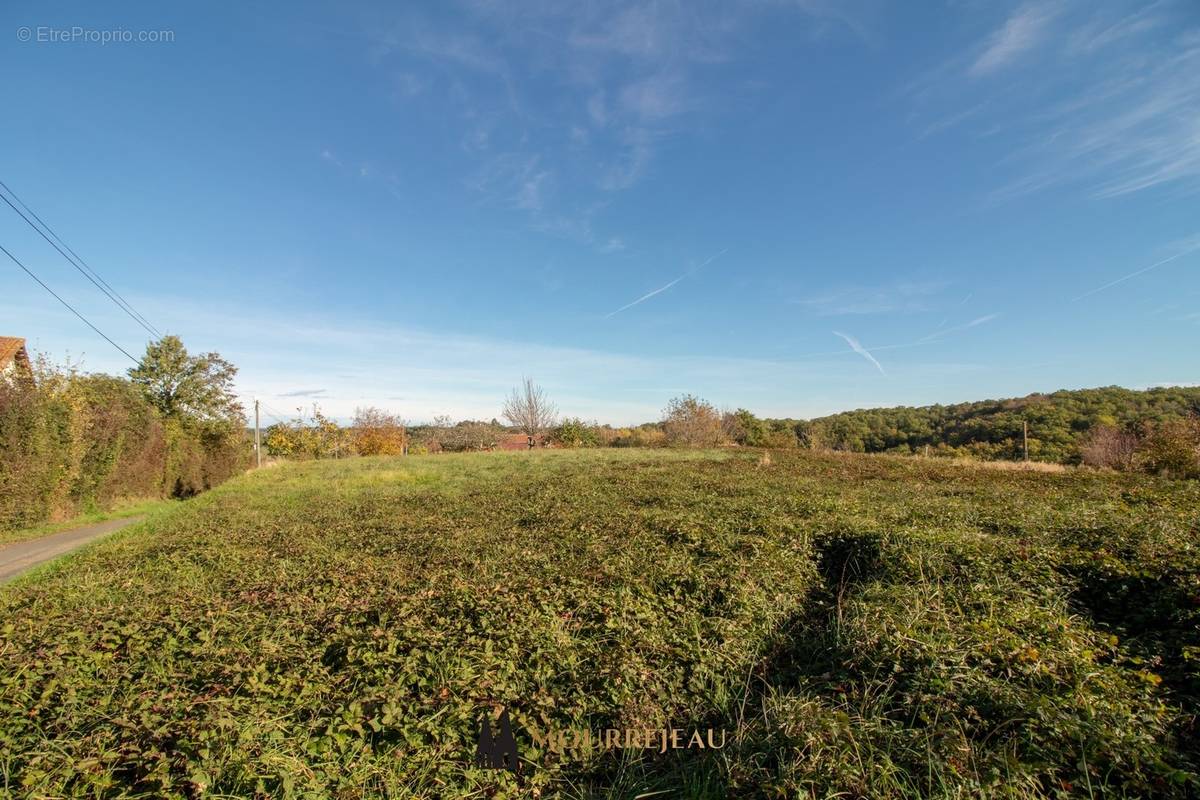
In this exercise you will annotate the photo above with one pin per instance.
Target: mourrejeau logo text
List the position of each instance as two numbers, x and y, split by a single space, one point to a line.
498 750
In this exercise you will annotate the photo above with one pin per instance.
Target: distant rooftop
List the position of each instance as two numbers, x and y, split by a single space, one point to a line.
12 348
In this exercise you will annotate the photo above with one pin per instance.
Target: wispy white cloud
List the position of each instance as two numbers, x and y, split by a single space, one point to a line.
627 168
1115 108
418 372
458 47
509 69
862 351
304 393
409 85
952 120
640 31
1019 34
367 172
1101 32
657 97
361 362
596 108
899 297
834 15
529 195
1133 125
517 179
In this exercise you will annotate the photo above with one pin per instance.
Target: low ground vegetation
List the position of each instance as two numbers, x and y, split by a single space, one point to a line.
859 625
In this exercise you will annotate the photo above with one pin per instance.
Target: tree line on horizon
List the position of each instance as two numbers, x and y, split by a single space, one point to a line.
172 426
1155 430
1111 426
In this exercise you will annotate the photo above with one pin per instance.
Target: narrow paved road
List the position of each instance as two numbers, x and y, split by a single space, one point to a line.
17 557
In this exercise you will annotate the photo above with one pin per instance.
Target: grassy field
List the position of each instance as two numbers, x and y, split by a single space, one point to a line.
860 626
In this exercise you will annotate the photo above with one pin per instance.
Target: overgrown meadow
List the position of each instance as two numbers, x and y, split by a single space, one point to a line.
861 626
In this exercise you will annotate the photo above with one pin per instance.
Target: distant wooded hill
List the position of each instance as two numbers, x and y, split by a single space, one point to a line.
1058 423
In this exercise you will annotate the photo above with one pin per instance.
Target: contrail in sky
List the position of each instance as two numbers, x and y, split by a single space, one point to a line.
662 289
1111 284
646 296
862 351
924 340
940 333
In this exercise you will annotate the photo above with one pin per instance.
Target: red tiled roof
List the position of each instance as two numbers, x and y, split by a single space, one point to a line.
12 348
517 441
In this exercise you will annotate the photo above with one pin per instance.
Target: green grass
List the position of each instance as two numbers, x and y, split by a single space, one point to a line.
130 508
860 626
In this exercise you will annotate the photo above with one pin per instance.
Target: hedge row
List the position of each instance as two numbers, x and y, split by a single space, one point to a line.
72 443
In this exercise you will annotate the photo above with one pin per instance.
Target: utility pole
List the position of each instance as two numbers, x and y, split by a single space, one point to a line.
257 438
1025 438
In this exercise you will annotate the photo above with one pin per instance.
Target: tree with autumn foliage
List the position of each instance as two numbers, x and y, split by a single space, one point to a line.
378 433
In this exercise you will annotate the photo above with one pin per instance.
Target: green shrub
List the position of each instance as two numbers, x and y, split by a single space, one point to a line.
1172 447
648 435
689 421
574 432
71 442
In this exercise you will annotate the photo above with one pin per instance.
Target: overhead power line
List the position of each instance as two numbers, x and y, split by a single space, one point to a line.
70 308
274 413
270 411
78 263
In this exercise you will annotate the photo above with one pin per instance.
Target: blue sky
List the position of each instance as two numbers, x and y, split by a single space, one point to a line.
794 207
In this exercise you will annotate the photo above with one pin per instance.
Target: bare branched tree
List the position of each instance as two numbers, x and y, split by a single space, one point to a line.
528 409
1110 447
